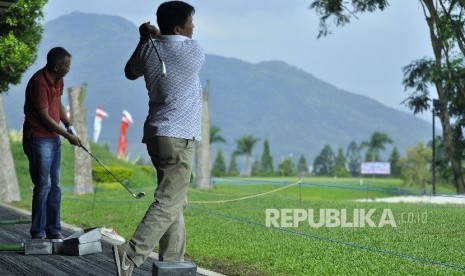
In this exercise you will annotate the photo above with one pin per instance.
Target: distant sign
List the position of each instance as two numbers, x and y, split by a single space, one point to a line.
376 168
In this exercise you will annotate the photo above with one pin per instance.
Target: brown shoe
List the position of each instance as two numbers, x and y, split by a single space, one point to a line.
57 236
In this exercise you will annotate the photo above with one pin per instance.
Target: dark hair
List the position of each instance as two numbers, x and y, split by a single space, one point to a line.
56 55
171 14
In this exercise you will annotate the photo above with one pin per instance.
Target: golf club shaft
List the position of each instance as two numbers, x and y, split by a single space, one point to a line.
163 66
98 161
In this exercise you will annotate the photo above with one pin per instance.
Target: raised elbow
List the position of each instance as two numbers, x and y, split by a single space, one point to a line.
129 75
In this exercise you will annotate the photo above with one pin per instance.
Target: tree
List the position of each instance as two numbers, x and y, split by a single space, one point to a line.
267 159
219 165
394 160
233 170
442 163
340 168
244 147
256 167
416 166
302 167
354 159
375 145
324 162
287 167
444 72
214 135
20 34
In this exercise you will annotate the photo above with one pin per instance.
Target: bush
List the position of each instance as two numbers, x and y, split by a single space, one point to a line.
149 169
100 175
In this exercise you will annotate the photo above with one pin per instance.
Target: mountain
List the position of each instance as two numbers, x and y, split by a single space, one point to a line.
297 112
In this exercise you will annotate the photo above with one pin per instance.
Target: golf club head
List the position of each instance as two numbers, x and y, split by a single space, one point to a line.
163 69
139 195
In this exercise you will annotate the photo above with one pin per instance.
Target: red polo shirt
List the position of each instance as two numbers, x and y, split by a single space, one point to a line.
41 92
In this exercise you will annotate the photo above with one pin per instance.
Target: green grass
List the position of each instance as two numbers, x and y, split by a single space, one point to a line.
232 237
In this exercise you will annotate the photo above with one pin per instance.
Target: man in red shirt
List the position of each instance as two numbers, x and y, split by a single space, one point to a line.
41 141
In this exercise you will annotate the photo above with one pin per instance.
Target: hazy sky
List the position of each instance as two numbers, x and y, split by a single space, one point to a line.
364 57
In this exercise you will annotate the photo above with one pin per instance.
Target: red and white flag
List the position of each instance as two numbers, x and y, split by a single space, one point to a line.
123 142
99 115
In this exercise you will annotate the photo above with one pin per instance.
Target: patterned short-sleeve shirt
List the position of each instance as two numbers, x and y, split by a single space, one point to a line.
175 101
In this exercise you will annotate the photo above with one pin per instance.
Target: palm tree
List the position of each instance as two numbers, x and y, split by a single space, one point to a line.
214 136
375 145
244 147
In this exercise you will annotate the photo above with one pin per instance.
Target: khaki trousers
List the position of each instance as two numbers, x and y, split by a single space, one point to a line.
163 222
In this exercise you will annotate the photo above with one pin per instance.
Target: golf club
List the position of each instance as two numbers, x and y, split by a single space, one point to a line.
124 182
163 66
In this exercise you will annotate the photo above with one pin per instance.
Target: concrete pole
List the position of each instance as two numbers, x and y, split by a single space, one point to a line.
9 188
203 174
82 160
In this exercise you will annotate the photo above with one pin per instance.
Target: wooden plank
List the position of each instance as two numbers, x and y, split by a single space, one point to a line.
18 264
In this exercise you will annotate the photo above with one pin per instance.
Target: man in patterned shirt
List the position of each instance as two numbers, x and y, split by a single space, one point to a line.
172 125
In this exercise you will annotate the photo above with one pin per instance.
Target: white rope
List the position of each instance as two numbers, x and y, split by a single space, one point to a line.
245 197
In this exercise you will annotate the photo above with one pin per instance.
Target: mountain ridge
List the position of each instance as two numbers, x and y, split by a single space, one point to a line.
297 112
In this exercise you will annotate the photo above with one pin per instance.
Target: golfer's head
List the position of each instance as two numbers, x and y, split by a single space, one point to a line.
175 18
59 61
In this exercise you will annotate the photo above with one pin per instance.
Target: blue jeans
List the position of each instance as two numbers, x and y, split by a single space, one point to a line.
44 156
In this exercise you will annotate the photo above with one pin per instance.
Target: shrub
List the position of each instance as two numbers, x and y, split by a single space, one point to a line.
99 174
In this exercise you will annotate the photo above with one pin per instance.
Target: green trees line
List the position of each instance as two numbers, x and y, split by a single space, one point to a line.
415 168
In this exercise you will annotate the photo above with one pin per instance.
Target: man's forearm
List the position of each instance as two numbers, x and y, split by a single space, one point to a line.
127 69
52 125
64 116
